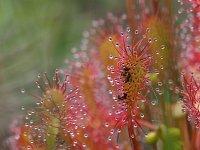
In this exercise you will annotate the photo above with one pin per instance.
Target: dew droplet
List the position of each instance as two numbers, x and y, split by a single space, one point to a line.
39 76
180 11
109 138
111 131
143 100
177 90
23 91
150 40
128 29
86 135
160 84
146 135
110 91
148 30
117 146
111 56
160 92
142 115
170 81
22 108
117 44
84 145
106 124
162 46
153 103
110 39
25 134
132 136
118 131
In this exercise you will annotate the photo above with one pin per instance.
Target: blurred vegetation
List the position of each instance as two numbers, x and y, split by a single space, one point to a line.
36 36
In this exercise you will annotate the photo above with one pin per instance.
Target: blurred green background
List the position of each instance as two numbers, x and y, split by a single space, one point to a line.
36 36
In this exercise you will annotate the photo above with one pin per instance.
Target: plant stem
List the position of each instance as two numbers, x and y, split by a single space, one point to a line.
155 6
196 139
130 13
185 134
147 124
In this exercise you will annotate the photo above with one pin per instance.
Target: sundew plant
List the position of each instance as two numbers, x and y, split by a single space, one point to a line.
132 84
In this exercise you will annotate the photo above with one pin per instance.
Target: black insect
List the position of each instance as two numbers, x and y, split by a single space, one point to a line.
60 139
122 97
126 74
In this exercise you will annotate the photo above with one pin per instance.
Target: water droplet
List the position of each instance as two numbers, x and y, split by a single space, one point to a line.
144 36
23 91
39 76
117 44
106 124
156 71
157 90
132 136
143 100
180 11
160 93
22 108
118 131
148 30
170 81
86 135
117 146
177 90
109 138
153 103
142 115
160 84
150 40
25 134
110 39
84 145
110 91
109 77
111 56
111 131
162 46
